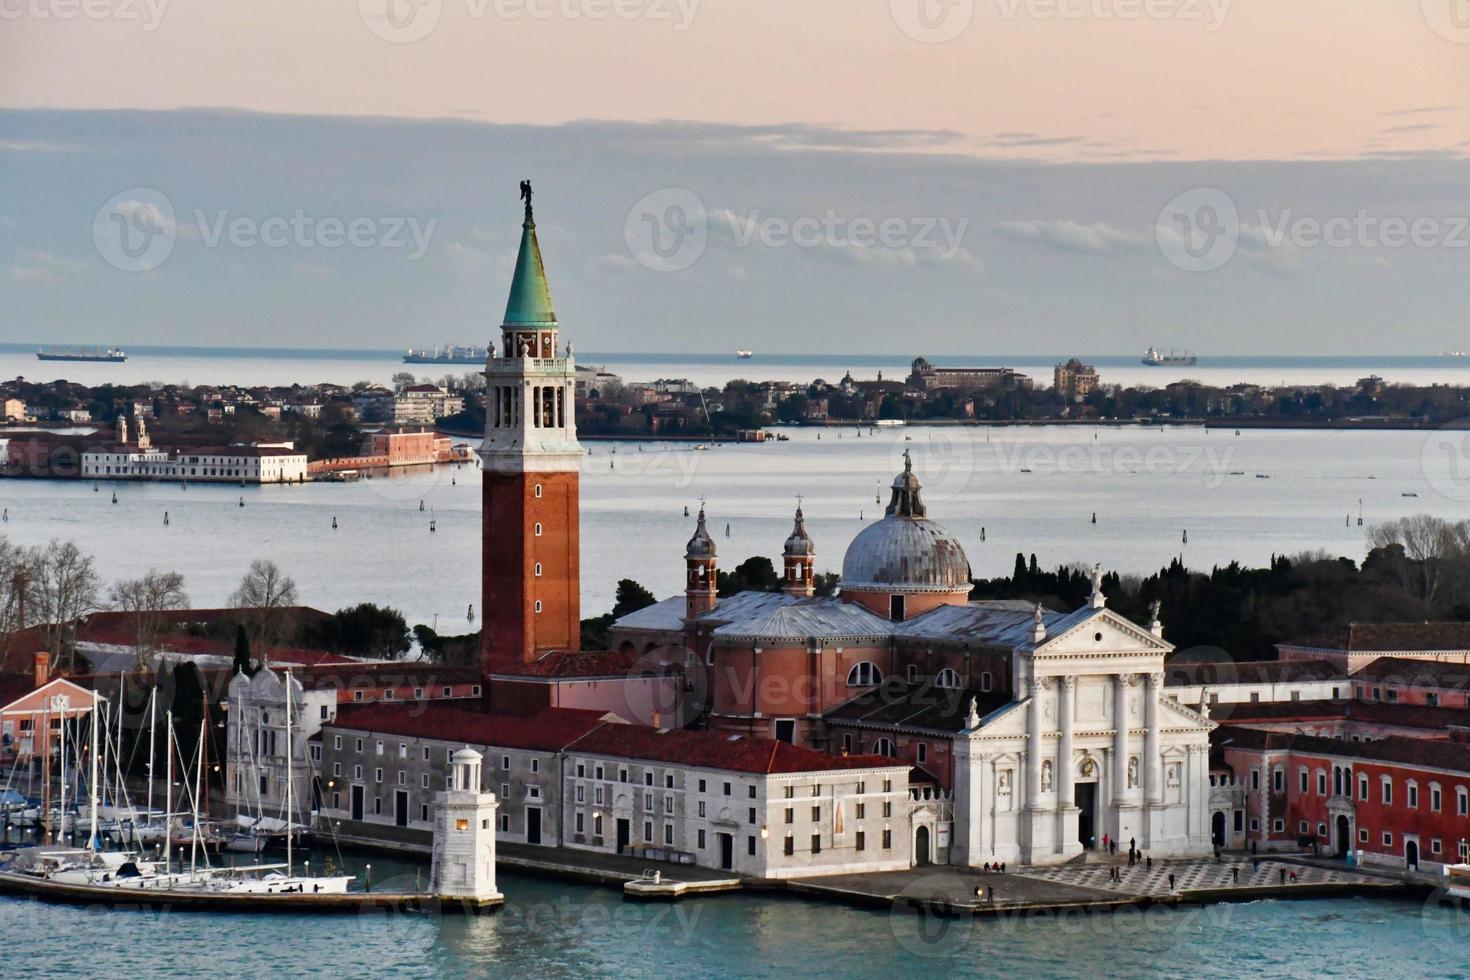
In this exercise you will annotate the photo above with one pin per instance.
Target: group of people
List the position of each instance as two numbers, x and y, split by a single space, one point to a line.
998 867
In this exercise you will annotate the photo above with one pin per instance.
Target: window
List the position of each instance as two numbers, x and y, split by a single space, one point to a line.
1387 791
1278 826
1435 846
359 745
922 752
377 775
701 839
1278 780
1302 778
1301 828
669 835
701 809
860 841
538 605
727 789
1363 835
887 840
847 743
790 848
538 489
985 680
911 673
947 679
884 746
581 823
538 532
1255 779
1321 783
1387 839
749 844
648 831
669 783
1462 801
1362 787
790 814
418 693
336 769
1413 794
424 781
865 674
535 765
816 843
337 742
379 747
816 814
1434 797
701 785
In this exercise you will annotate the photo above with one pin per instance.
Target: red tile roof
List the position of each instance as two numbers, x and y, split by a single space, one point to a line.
1370 637
1396 749
1416 673
1371 712
737 753
1186 672
549 730
564 664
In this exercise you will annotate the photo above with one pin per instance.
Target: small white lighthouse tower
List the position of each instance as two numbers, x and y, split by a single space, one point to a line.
464 836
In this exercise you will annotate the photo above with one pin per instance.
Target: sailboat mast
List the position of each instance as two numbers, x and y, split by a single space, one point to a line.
45 769
93 843
168 797
152 731
198 782
61 812
290 775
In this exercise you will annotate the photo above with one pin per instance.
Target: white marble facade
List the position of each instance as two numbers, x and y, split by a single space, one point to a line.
1092 746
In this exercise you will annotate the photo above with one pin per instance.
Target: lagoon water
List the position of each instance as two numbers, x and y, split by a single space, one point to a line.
1030 489
555 929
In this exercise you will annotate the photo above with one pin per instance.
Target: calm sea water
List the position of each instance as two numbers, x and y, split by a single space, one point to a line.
1147 487
552 929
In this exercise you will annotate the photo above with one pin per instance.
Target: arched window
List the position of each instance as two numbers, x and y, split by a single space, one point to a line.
884 746
948 680
865 674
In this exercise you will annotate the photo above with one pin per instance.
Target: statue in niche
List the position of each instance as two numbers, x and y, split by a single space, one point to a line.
1003 786
1046 776
1133 772
1088 768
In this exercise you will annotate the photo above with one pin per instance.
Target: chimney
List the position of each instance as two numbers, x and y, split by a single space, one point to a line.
43 669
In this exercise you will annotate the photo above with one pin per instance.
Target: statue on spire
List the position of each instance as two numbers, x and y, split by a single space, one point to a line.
526 196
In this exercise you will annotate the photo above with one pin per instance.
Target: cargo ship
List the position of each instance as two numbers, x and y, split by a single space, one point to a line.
110 354
1157 358
448 354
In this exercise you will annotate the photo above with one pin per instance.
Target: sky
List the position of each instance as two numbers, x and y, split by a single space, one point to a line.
936 176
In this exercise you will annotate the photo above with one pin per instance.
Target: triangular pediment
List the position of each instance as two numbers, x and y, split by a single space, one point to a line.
1102 632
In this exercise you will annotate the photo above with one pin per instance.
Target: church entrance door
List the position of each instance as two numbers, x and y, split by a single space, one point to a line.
1086 801
921 846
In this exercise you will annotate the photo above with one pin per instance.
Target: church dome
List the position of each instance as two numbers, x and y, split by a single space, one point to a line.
905 551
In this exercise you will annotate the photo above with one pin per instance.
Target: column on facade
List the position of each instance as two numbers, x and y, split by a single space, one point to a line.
1120 738
1065 796
1033 748
1152 776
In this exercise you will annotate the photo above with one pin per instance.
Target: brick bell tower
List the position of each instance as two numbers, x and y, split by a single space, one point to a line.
531 587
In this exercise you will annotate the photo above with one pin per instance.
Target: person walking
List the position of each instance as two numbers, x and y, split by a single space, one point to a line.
1235 873
1171 881
1150 862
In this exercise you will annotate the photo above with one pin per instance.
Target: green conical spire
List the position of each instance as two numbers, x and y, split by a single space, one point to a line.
530 297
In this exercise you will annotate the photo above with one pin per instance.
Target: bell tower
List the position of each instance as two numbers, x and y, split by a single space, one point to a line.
531 589
799 557
700 589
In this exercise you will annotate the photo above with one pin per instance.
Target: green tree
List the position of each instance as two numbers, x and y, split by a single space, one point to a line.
630 598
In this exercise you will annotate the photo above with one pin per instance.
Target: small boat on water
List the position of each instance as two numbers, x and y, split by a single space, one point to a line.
744 354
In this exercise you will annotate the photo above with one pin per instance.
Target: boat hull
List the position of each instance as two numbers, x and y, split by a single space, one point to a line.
123 899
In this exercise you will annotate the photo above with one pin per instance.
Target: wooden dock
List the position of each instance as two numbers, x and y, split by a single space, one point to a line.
166 900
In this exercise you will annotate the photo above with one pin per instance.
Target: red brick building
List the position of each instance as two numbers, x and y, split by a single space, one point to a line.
1396 801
